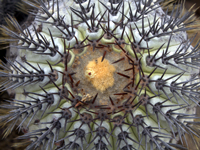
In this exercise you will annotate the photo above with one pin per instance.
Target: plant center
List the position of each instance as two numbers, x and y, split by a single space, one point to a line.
100 73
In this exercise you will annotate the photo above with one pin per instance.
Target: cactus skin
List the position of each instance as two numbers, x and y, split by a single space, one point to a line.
102 75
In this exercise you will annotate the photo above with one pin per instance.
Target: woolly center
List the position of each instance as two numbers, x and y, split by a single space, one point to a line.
100 74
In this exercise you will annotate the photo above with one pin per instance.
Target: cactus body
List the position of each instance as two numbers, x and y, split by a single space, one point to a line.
108 74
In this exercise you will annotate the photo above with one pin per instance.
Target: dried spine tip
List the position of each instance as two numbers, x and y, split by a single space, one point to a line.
107 74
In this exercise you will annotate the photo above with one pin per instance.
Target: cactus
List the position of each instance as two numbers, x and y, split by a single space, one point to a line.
102 75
